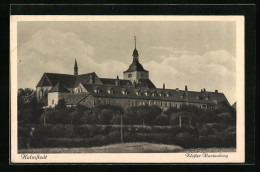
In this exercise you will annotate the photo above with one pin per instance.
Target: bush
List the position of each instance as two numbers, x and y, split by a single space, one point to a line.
23 131
161 120
186 140
22 142
211 141
229 139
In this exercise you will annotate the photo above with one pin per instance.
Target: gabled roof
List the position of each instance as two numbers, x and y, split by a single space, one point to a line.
145 83
44 81
135 66
69 81
85 79
74 99
52 79
59 87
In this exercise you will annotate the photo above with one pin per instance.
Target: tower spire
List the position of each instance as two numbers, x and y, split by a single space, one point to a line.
75 68
135 41
135 53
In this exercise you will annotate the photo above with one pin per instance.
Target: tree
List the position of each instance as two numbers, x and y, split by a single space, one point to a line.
29 110
72 116
148 114
131 116
182 118
25 96
161 120
61 104
89 117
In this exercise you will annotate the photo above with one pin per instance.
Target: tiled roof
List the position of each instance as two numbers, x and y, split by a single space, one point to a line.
108 81
64 83
54 78
135 66
59 87
69 81
174 95
85 79
145 83
44 81
74 99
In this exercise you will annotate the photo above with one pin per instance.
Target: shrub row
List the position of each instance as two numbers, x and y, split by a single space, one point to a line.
183 139
87 131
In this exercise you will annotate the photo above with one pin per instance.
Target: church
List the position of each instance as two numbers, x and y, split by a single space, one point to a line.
134 89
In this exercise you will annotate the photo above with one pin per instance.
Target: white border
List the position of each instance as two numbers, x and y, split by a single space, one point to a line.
235 157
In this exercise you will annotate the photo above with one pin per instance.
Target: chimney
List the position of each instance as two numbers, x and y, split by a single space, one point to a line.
204 90
186 93
92 79
216 91
177 89
163 85
117 80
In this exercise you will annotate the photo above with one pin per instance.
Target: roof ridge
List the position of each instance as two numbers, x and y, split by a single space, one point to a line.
58 74
87 73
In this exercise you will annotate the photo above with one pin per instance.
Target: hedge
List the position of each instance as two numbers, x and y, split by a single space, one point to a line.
91 135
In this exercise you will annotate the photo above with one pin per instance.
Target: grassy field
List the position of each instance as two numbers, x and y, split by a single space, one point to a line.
113 148
127 148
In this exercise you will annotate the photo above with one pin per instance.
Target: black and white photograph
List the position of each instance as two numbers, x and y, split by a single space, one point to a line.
127 89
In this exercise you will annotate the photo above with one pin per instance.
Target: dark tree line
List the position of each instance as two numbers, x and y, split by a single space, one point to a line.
29 111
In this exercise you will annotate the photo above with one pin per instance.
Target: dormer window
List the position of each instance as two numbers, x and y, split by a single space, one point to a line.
167 95
153 94
129 75
124 92
110 91
138 93
96 90
146 93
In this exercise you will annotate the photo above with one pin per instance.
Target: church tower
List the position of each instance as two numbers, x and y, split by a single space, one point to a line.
75 68
136 71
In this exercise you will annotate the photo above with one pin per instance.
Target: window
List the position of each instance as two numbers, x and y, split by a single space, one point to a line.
96 90
41 94
142 75
124 92
161 104
129 75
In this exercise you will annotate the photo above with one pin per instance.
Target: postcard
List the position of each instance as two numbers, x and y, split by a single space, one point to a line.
127 89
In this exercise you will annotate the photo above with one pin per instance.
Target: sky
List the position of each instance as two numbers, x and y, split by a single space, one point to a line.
199 54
